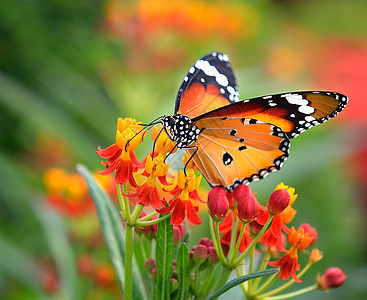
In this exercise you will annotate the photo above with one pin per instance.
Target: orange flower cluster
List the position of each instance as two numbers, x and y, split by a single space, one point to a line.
182 189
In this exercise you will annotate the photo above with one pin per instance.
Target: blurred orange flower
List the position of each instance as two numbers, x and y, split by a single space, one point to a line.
195 19
68 193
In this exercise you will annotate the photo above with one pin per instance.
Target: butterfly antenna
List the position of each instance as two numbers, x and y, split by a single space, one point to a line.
145 126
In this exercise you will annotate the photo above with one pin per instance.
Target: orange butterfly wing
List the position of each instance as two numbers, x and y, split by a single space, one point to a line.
209 84
232 151
292 112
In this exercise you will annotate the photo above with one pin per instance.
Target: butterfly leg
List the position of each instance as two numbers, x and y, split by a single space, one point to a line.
170 152
155 140
196 150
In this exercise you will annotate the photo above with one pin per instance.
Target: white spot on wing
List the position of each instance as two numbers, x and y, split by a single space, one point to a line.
210 70
296 99
307 110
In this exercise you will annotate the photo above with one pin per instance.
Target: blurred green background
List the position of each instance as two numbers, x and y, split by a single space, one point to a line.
69 69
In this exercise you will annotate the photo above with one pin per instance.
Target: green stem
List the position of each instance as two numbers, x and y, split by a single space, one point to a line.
262 267
251 267
208 279
267 284
129 244
220 251
136 214
149 216
152 222
235 224
127 206
121 201
293 294
243 284
287 284
238 243
254 242
224 277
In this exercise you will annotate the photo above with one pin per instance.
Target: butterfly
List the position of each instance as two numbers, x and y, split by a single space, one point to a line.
234 142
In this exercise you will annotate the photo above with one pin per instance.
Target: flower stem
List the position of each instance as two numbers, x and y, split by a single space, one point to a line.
234 230
224 277
243 284
121 201
267 284
293 294
149 216
152 222
254 242
128 261
251 267
207 281
219 246
261 268
237 246
136 213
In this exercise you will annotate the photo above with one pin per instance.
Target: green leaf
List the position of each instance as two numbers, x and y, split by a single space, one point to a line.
164 257
183 271
113 234
238 281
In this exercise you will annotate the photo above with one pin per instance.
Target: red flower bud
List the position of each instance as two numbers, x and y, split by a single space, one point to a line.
247 208
278 201
218 203
310 230
332 278
242 191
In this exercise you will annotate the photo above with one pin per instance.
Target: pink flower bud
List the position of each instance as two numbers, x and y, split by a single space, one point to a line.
218 203
332 278
212 254
178 232
310 230
150 264
279 201
247 208
206 242
200 252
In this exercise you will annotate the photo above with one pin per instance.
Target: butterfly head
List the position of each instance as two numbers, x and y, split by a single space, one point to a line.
180 129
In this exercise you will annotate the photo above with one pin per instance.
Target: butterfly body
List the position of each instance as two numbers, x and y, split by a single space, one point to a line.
181 130
235 142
